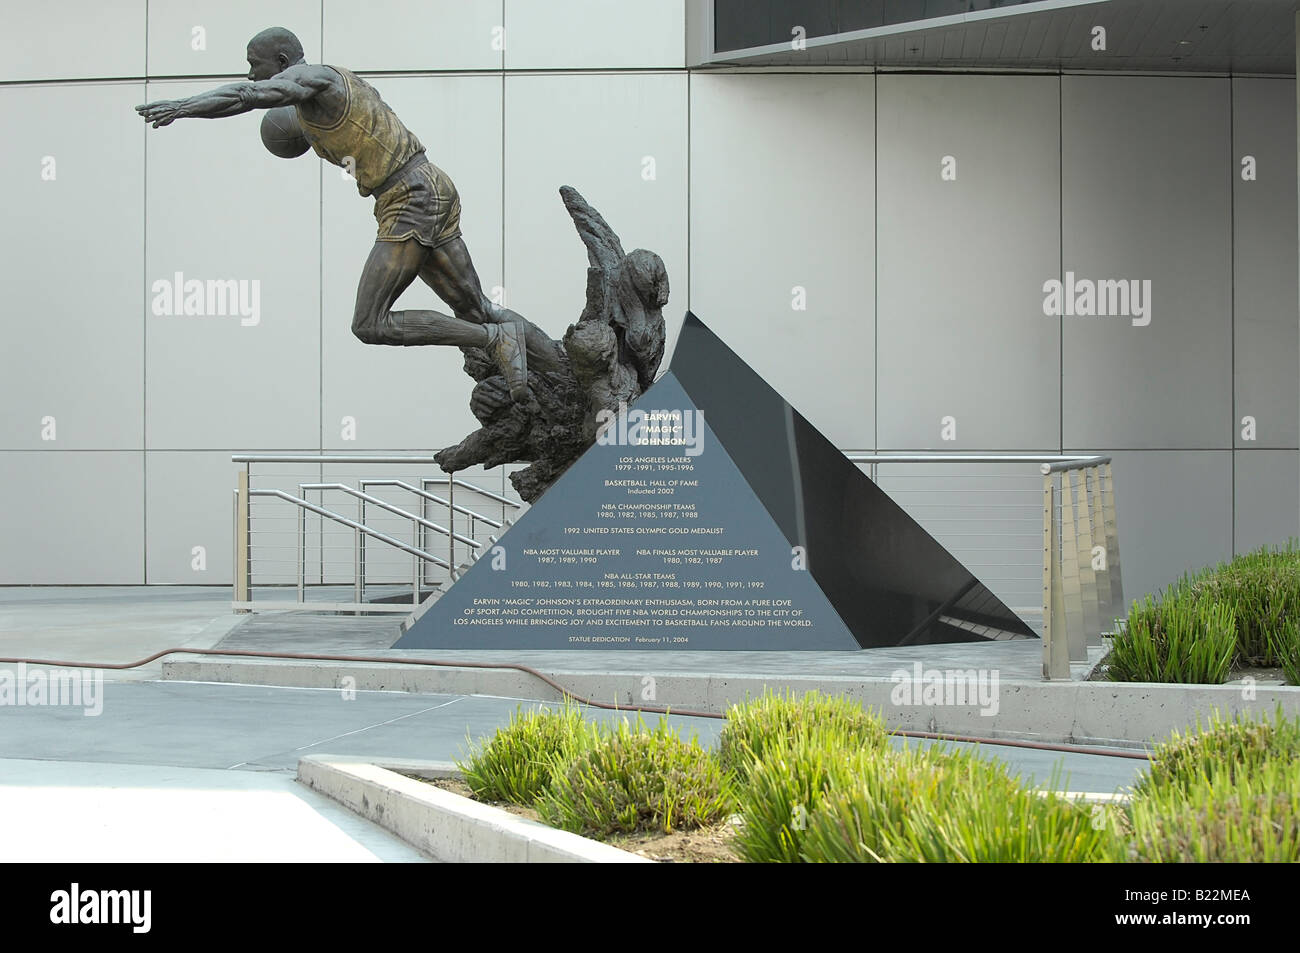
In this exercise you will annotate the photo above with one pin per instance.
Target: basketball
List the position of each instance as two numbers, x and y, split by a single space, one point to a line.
282 134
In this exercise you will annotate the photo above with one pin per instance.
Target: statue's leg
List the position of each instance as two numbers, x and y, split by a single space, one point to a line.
389 271
450 272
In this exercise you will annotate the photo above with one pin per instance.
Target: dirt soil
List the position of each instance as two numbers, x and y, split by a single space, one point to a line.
705 845
1273 675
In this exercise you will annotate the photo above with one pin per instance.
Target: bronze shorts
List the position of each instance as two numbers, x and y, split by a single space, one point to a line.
423 204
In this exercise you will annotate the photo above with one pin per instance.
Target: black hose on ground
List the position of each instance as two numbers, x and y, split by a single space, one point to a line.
564 692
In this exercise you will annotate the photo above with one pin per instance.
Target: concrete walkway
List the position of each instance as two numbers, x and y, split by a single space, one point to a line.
111 623
204 772
265 728
80 812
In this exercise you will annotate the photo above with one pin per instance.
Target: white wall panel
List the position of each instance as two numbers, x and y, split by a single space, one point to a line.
595 34
423 35
71 289
968 231
72 517
1265 318
1146 197
221 208
72 39
1266 498
1174 513
210 37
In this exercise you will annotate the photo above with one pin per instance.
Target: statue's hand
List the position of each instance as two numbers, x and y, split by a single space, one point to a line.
489 398
163 112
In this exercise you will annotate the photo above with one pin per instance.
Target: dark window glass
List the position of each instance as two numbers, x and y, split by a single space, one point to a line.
741 24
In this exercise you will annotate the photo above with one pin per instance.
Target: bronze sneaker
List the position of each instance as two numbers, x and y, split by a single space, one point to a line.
507 348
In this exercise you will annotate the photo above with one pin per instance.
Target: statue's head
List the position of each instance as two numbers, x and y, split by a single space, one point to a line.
272 52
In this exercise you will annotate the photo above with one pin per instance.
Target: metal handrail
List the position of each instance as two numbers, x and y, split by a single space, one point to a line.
1077 596
938 456
351 524
344 458
477 489
419 523
385 505
434 498
1082 579
326 458
1081 464
1048 463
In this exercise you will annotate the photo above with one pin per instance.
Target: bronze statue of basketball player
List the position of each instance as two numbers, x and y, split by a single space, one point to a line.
417 207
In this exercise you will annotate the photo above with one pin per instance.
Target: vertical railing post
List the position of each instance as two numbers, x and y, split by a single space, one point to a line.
1098 521
1056 650
302 554
451 528
416 568
1118 609
359 560
1087 576
1073 597
242 542
422 534
1060 642
1048 564
234 546
361 548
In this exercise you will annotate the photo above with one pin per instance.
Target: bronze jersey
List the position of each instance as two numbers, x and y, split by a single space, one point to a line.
368 138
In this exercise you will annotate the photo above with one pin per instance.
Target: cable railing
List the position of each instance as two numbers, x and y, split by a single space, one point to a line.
1083 590
1039 530
330 540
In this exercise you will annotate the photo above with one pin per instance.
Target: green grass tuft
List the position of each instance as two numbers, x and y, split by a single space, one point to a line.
815 780
775 718
938 805
1180 639
1242 746
783 787
1184 637
635 779
1225 815
517 764
1284 644
1263 590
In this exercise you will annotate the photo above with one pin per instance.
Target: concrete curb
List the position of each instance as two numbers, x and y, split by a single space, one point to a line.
1114 714
446 826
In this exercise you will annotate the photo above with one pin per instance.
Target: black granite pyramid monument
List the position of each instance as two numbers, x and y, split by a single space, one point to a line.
711 515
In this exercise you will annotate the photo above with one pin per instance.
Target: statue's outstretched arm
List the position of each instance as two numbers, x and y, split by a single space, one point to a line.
294 85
